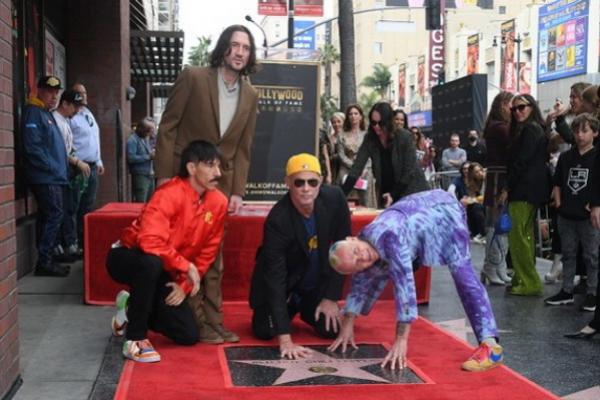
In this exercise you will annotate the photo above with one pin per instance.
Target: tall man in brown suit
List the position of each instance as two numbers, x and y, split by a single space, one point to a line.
216 104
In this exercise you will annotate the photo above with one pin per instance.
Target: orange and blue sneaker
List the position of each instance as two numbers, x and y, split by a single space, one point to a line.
484 358
119 320
141 351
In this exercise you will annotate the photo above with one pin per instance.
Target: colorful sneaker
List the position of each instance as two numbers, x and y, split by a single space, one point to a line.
559 299
485 357
141 351
589 304
119 320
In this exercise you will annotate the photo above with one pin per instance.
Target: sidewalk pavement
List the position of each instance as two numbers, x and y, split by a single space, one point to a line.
62 341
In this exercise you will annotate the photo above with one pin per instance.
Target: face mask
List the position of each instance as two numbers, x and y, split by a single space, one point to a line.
472 139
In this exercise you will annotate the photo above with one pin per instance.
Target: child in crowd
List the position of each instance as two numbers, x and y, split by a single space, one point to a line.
572 194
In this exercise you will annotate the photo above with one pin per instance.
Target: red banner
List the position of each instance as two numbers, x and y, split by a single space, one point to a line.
302 8
308 8
272 7
508 79
473 54
402 85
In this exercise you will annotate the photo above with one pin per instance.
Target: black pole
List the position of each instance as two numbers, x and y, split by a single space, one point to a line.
518 41
290 24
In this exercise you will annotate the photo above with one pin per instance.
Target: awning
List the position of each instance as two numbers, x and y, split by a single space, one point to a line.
156 56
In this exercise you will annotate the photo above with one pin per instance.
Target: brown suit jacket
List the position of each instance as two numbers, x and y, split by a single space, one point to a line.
192 113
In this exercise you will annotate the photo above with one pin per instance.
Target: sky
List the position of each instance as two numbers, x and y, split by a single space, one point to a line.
211 17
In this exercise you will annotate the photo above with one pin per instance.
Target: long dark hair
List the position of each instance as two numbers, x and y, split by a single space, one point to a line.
496 113
534 118
400 111
223 48
347 124
387 117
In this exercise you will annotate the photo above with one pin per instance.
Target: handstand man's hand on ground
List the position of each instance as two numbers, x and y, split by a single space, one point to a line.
397 354
346 335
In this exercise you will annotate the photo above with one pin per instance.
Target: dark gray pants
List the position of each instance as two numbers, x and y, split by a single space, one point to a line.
572 233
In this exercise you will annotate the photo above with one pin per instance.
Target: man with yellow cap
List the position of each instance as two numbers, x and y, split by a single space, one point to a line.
292 273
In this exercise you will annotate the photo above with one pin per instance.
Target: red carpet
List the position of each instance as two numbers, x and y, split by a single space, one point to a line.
196 372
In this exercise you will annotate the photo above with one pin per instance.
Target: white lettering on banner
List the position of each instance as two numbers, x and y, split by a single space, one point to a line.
436 56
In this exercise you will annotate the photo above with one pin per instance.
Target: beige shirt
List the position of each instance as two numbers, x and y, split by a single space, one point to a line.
228 102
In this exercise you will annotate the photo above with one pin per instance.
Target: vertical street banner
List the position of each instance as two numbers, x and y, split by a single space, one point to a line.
288 104
307 40
436 56
272 7
402 85
563 39
421 76
473 54
508 80
308 8
525 77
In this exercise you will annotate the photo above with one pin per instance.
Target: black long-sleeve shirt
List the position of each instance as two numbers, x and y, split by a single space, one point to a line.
574 176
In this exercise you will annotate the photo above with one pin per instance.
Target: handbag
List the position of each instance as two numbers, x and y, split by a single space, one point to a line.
503 223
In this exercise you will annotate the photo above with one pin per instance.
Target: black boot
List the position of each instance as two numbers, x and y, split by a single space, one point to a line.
51 269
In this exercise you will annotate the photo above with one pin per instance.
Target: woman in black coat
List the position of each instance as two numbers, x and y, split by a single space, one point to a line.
528 187
393 157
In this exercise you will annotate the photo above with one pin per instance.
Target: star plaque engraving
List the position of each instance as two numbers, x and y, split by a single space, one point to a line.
263 366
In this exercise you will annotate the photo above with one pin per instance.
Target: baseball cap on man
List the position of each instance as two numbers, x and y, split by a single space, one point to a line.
48 82
72 97
302 162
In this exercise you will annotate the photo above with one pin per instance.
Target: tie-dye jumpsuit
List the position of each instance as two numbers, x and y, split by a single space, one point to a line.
431 227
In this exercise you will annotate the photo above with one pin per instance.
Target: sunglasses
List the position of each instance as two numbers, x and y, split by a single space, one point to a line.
301 182
375 123
520 107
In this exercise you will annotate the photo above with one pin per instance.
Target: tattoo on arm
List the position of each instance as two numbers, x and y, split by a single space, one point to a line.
401 328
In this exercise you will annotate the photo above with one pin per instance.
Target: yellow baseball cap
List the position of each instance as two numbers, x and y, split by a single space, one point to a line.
302 162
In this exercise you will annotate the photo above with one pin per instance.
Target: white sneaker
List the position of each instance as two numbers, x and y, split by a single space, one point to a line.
141 351
119 320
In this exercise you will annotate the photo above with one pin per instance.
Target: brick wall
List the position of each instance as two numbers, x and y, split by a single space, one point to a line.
9 343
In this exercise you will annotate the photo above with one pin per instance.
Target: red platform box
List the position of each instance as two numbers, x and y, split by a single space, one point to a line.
243 236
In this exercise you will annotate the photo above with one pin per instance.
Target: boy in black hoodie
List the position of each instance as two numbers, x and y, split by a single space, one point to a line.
572 194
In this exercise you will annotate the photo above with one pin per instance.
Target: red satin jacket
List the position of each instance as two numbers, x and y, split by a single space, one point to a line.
181 227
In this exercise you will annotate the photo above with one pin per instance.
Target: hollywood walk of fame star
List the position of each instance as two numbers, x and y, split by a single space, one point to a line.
318 365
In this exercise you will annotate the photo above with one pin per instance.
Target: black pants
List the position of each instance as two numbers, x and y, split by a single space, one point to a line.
147 308
476 219
306 304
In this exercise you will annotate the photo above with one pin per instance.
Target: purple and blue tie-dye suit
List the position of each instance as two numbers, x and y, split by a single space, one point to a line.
430 226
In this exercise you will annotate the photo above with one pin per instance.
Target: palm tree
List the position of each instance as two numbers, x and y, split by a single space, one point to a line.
367 101
380 80
347 72
199 55
329 56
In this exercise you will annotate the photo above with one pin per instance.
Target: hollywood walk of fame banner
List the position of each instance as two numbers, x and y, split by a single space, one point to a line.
288 94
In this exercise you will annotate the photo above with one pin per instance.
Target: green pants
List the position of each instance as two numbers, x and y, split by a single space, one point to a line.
526 280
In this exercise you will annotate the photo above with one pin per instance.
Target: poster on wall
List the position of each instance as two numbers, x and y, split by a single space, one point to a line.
473 54
508 80
402 85
288 96
55 58
563 31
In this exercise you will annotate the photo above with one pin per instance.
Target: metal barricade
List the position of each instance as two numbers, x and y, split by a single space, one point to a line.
442 179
